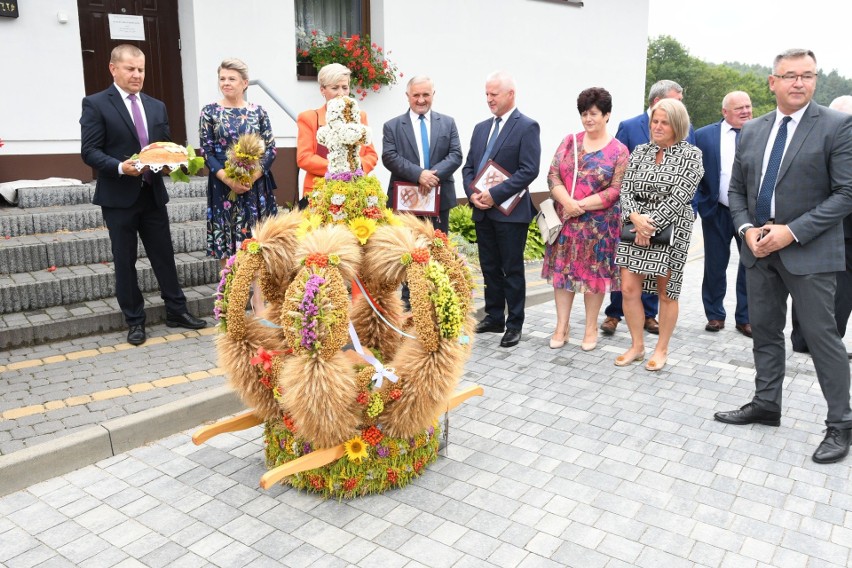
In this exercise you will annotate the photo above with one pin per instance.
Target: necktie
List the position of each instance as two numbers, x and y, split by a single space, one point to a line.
141 132
494 134
424 137
764 197
138 122
736 137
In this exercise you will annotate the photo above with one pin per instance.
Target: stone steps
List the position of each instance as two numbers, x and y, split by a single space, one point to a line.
57 279
31 253
87 318
32 197
83 282
17 222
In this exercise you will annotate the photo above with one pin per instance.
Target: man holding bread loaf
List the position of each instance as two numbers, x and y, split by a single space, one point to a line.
115 125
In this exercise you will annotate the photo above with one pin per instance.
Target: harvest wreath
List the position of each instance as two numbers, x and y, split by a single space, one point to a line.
349 387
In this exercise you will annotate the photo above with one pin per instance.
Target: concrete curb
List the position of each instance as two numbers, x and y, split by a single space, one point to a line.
26 467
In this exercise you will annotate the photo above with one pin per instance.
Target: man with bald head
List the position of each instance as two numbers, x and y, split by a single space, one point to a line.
718 142
511 140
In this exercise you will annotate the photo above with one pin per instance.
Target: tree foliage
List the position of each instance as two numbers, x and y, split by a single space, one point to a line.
706 84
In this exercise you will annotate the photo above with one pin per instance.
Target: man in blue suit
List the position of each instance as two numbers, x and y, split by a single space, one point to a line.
403 148
513 141
116 124
718 142
631 133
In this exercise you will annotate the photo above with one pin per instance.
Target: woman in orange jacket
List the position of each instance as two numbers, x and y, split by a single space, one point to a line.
310 155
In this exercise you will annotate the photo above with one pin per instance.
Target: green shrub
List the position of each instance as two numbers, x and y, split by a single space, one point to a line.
534 249
461 223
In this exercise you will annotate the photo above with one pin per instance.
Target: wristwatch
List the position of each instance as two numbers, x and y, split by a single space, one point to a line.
745 228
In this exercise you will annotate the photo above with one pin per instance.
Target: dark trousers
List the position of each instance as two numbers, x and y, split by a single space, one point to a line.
151 224
501 258
651 303
718 229
842 303
769 285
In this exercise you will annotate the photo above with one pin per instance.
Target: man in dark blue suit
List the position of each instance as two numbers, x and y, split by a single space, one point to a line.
631 133
116 124
403 148
511 140
718 143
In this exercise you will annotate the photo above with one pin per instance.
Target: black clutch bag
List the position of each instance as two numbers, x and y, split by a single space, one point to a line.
661 237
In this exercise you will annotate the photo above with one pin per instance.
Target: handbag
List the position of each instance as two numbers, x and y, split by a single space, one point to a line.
548 221
660 237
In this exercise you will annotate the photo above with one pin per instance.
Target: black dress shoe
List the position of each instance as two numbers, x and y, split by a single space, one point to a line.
834 447
749 414
510 338
488 326
186 320
136 334
801 348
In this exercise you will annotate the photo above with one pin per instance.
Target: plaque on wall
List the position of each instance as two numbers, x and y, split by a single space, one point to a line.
8 9
123 26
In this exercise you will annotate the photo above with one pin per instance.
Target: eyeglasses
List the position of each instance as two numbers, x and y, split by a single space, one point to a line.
793 77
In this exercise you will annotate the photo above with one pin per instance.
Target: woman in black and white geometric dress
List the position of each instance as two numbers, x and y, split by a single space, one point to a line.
656 192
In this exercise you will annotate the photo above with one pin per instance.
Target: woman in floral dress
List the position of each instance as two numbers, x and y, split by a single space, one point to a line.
229 221
582 259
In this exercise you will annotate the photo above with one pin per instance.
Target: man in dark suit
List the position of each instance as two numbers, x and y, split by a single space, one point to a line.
718 142
115 124
843 294
511 140
631 133
791 186
403 142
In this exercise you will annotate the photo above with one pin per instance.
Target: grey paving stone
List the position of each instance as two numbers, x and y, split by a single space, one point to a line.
82 549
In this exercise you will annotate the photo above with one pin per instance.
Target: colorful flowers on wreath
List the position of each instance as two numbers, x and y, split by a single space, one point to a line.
372 435
374 462
351 198
319 260
356 449
362 228
220 302
251 246
445 300
420 256
310 310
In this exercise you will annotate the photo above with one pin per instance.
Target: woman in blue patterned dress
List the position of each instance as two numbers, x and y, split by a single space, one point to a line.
229 222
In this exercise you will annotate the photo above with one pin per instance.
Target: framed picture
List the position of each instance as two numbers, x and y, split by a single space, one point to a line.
408 198
492 174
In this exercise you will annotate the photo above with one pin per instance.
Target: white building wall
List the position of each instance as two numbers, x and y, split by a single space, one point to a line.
553 50
42 79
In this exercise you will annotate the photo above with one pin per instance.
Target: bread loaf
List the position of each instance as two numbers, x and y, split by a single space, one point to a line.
159 153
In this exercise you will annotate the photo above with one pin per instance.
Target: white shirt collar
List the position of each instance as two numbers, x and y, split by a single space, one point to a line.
415 118
796 116
125 94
